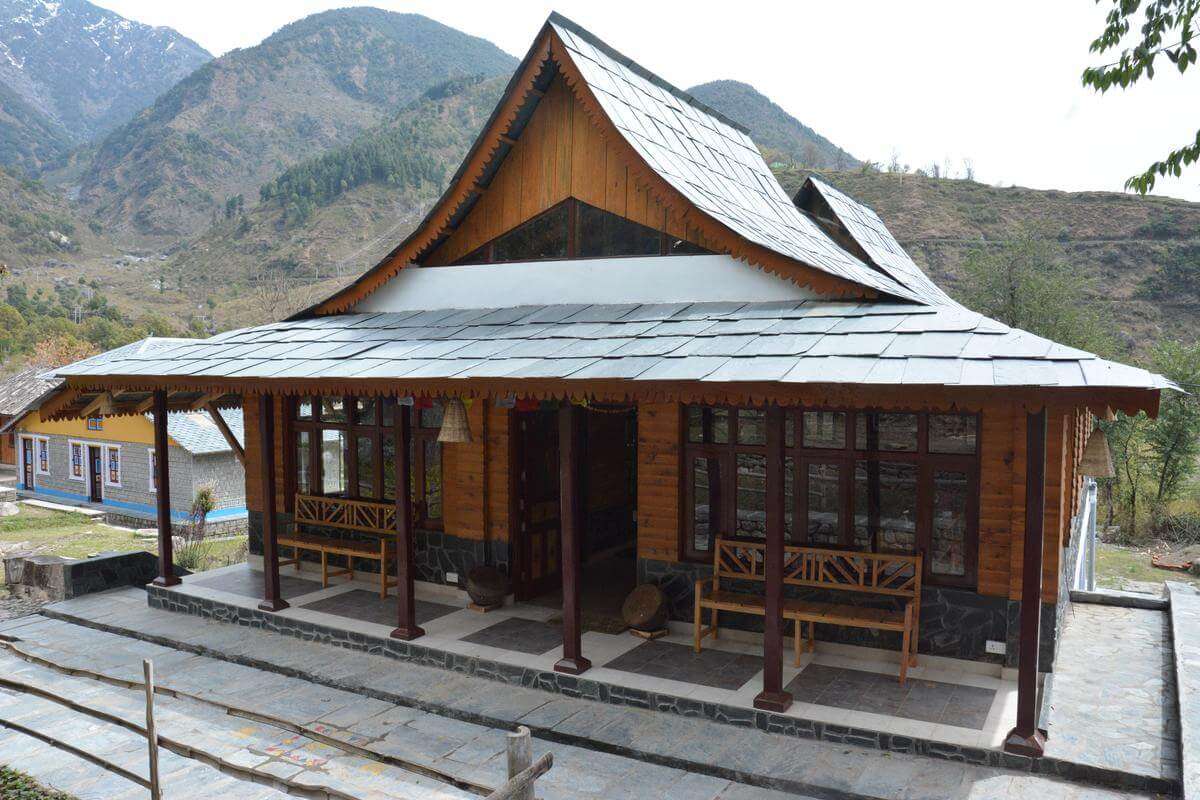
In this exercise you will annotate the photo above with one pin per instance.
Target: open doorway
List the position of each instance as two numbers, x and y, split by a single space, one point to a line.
608 450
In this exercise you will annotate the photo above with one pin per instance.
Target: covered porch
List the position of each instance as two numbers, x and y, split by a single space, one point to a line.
838 690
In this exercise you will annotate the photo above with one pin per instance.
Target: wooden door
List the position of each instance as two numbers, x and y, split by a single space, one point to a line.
27 463
537 560
95 475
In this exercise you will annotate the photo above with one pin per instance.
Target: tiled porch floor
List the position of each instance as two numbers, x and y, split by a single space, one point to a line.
944 700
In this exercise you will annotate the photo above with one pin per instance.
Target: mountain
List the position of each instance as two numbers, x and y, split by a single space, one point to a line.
38 227
29 140
78 71
777 132
239 120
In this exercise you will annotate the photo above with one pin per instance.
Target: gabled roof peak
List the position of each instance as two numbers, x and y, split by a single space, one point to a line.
558 19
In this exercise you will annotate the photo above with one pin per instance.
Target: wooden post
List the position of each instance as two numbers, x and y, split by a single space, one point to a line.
520 758
1025 739
773 697
406 604
162 459
572 662
272 601
151 730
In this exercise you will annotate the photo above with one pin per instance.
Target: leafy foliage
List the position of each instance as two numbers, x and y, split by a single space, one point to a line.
1165 21
71 322
1177 279
1027 284
19 786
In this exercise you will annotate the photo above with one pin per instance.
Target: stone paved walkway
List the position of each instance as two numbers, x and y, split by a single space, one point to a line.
610 745
182 778
1113 699
1185 631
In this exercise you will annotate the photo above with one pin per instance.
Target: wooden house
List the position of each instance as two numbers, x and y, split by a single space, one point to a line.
663 363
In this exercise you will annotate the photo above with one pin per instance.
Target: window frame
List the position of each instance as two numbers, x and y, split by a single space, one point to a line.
82 477
39 443
723 491
314 425
108 450
486 252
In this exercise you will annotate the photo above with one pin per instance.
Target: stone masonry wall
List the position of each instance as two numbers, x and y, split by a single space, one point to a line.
224 473
135 476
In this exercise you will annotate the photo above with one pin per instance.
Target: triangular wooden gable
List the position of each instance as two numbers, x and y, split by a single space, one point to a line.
547 140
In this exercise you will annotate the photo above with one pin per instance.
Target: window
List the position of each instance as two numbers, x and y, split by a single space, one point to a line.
885 482
112 465
95 423
42 449
346 447
76 450
573 229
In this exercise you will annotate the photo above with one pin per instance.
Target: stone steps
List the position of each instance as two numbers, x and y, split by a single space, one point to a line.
706 750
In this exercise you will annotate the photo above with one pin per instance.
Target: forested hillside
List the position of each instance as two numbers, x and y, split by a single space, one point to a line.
240 120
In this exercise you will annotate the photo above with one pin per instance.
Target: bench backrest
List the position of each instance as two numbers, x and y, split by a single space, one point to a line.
351 515
820 568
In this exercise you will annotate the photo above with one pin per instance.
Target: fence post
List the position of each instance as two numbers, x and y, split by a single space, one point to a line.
520 758
151 732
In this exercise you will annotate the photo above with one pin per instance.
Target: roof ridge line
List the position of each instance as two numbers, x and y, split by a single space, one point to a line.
595 41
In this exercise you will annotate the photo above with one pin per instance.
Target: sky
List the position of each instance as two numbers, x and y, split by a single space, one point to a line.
922 81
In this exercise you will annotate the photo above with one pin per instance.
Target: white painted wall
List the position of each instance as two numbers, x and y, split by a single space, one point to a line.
651 279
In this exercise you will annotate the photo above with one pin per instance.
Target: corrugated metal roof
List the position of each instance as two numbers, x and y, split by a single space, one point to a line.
839 342
713 163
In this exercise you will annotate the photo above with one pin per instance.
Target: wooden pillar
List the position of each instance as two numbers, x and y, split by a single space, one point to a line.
406 604
272 601
773 697
162 474
570 546
1025 739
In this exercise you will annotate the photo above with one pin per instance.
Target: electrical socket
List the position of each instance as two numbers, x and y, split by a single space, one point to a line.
995 648
452 577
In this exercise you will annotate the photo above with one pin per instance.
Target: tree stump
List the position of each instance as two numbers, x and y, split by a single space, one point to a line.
486 586
645 609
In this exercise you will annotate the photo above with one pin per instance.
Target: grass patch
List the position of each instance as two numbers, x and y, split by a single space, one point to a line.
63 533
1117 566
19 786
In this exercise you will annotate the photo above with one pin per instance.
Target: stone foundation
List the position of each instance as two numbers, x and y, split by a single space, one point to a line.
43 577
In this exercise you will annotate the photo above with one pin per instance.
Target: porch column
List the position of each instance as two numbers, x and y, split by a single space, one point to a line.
572 662
406 604
162 474
1025 739
266 462
773 697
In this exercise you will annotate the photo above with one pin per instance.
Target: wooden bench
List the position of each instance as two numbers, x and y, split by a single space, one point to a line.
880 574
355 515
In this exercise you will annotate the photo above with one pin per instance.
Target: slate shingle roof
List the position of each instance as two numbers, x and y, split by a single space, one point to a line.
23 388
869 232
713 163
788 342
196 432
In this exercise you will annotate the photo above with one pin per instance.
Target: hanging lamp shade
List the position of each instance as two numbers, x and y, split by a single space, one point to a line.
455 428
1097 461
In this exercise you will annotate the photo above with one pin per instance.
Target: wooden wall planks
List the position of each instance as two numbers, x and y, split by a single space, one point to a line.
560 154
